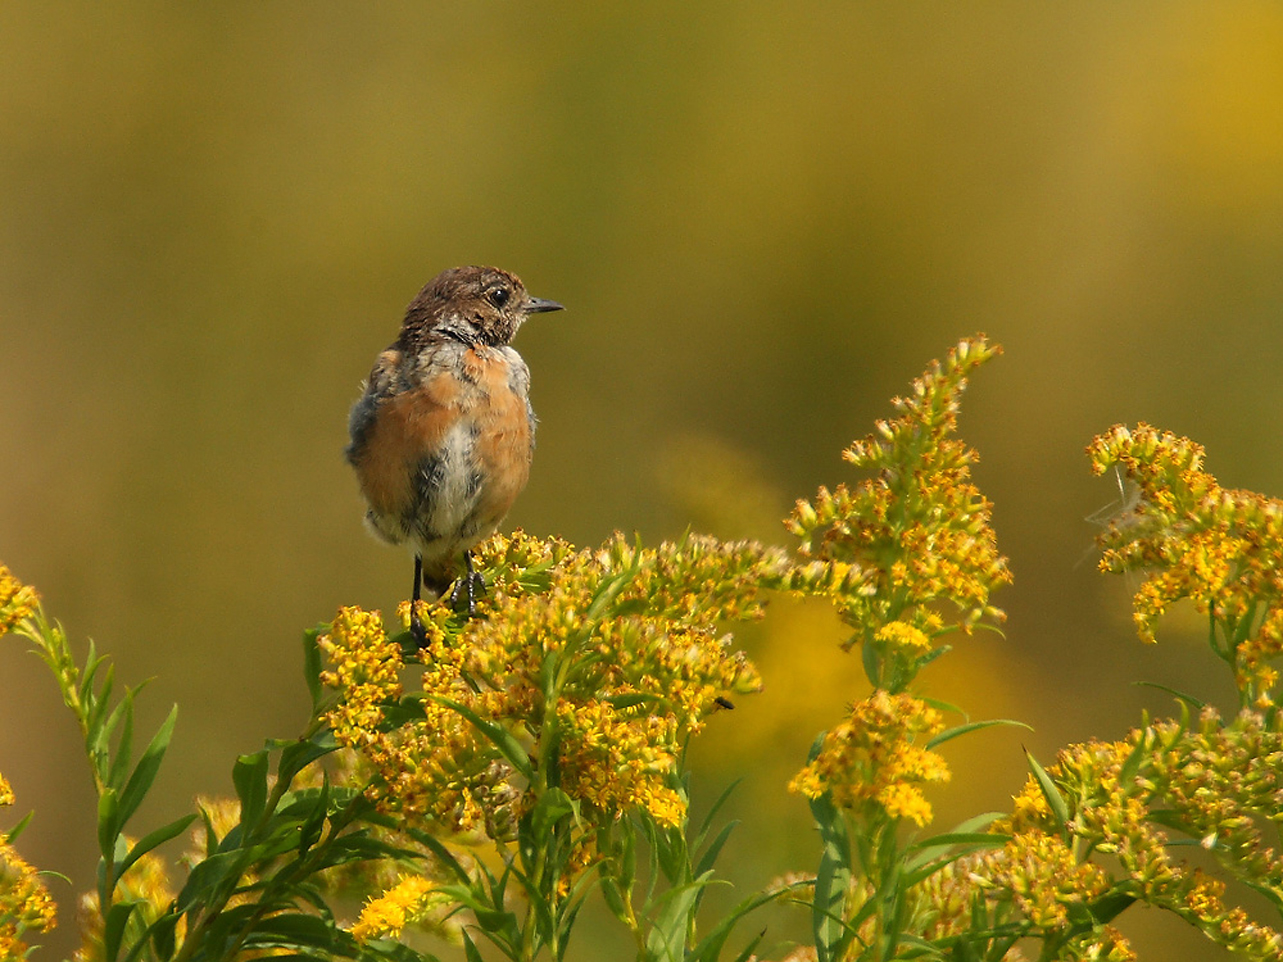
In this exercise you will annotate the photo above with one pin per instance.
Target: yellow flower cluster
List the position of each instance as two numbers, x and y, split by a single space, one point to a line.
25 904
1220 548
871 757
614 761
406 902
1216 783
917 533
365 669
607 658
17 600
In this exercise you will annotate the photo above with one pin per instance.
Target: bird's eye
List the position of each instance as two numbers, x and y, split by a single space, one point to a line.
499 296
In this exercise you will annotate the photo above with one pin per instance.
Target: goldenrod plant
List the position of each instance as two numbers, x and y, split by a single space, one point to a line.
531 757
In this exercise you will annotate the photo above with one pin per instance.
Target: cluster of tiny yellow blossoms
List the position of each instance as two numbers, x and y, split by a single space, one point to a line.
1214 783
25 904
1220 548
1224 782
17 600
917 533
630 637
408 901
615 759
871 757
365 668
898 634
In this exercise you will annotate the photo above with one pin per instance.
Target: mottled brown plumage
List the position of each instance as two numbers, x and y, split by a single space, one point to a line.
442 436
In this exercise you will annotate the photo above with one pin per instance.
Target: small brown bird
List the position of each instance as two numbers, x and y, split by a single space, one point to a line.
442 436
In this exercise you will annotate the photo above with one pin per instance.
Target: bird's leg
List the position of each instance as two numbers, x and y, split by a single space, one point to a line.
417 631
470 584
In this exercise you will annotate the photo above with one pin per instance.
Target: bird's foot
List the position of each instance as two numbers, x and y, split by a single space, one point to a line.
469 586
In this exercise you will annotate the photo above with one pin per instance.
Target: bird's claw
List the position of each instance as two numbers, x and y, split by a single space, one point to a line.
470 586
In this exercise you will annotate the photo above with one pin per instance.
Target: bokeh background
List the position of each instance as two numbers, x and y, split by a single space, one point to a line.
764 219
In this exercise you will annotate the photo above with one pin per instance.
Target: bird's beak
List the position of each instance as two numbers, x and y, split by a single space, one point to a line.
537 305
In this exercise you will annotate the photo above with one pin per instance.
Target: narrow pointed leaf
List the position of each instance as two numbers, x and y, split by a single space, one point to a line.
152 839
950 733
1055 801
249 775
148 765
312 666
108 822
114 928
124 746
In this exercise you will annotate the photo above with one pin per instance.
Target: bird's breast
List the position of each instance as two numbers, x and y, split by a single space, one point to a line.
444 459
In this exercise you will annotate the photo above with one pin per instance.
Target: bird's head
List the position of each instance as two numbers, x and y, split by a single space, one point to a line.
475 305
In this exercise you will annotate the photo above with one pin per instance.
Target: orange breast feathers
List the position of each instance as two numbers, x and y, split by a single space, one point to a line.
473 391
502 445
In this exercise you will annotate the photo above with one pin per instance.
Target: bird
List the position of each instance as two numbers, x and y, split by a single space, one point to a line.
442 435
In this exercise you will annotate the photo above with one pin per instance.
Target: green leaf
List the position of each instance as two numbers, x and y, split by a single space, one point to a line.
707 821
211 878
249 775
1055 801
1180 696
312 665
710 854
1110 905
114 928
297 754
498 736
145 773
710 947
1131 765
108 822
292 929
666 939
978 822
152 839
931 656
441 853
162 935
747 954
832 880
470 951
1270 892
946 707
11 836
972 839
553 806
950 733
872 661
124 746
314 822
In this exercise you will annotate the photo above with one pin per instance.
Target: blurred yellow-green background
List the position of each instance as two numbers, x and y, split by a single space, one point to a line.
763 219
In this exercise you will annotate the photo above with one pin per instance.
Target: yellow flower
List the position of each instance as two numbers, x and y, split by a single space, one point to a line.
1220 548
917 532
635 638
25 904
403 904
903 635
17 600
364 668
871 757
